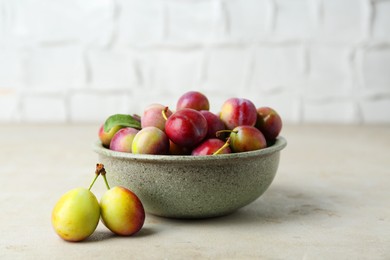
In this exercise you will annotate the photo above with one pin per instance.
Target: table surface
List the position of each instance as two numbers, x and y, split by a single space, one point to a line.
330 200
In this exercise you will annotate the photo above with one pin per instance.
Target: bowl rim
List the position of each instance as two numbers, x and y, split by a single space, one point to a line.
279 144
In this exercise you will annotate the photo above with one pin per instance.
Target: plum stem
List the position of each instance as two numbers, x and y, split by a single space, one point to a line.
106 182
164 113
93 182
227 143
218 133
100 170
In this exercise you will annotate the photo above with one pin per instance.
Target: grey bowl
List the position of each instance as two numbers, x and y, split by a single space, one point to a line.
193 186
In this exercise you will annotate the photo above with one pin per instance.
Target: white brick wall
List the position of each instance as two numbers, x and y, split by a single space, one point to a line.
190 21
54 67
57 22
169 70
381 28
11 68
9 105
112 69
91 106
77 61
294 19
341 21
375 67
277 66
328 71
248 20
139 22
35 108
226 68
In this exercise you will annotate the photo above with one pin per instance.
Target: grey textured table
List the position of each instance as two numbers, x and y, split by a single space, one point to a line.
329 200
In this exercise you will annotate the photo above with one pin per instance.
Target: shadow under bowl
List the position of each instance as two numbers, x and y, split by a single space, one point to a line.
193 186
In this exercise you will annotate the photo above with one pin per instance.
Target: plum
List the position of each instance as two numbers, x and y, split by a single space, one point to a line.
238 111
246 138
150 140
214 123
268 122
105 137
194 100
123 139
186 127
153 116
76 215
210 146
122 211
175 149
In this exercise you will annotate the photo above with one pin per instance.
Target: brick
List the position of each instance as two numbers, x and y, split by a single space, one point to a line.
342 21
43 108
2 23
87 21
193 20
55 68
381 24
87 106
293 19
140 22
329 111
374 68
226 68
375 110
9 105
112 69
171 71
6 22
277 66
328 71
11 68
248 19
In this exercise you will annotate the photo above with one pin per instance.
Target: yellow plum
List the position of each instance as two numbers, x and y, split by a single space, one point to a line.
76 215
122 211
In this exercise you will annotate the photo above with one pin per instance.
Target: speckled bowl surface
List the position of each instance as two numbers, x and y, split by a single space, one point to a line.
193 186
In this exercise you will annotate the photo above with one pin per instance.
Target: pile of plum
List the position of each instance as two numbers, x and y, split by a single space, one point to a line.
192 129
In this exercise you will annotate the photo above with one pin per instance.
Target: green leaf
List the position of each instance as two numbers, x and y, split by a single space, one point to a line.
121 120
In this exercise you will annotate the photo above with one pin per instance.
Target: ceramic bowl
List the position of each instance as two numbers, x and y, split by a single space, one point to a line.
193 186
